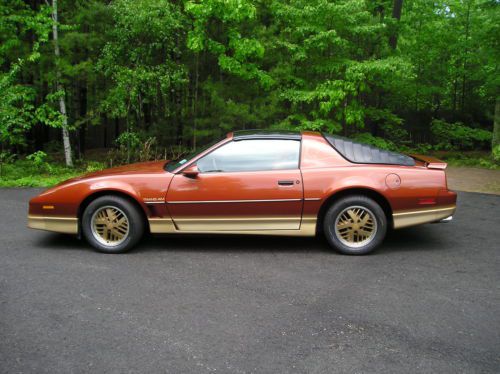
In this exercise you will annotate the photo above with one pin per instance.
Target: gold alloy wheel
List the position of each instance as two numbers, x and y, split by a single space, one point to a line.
355 226
110 226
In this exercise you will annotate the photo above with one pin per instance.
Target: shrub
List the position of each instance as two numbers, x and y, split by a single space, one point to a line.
129 139
421 149
38 160
133 147
496 153
7 157
391 124
456 136
94 166
24 173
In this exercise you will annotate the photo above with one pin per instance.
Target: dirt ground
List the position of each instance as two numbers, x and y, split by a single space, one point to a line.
473 180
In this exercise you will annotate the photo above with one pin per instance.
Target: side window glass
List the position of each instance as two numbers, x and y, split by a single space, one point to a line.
252 155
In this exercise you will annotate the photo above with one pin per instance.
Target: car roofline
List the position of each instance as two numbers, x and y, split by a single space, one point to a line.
245 135
265 134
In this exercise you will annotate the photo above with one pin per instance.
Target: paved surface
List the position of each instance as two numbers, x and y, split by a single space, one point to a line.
427 301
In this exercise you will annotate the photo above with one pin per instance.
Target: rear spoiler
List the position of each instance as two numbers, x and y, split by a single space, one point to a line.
431 162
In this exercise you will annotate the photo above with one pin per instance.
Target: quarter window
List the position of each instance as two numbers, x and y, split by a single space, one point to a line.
252 155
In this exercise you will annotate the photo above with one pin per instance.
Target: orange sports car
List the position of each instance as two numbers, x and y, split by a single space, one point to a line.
258 183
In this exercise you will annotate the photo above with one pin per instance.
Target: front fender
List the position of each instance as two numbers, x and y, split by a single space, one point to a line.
64 200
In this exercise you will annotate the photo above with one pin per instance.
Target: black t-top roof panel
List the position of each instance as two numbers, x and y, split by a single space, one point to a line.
360 153
266 134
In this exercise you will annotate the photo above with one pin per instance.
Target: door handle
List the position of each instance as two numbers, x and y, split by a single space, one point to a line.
285 183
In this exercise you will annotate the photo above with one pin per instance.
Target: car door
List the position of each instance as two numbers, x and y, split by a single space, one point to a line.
244 185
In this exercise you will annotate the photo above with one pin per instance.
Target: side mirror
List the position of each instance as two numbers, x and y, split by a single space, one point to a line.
191 171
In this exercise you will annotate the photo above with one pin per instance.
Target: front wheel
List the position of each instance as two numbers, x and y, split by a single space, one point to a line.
111 224
355 225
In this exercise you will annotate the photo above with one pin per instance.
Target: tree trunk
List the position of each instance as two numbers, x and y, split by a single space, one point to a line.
82 100
495 141
59 87
396 13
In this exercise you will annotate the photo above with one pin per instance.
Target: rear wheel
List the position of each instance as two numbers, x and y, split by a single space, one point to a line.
355 225
111 224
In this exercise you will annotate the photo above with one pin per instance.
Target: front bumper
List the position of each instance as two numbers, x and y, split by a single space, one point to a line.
65 225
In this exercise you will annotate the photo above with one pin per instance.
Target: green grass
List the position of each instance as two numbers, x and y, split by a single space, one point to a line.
482 163
474 159
24 173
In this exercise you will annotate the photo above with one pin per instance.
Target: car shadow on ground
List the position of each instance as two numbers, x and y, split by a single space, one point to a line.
410 239
419 238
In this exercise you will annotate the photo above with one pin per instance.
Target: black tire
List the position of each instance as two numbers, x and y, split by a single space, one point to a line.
365 205
135 225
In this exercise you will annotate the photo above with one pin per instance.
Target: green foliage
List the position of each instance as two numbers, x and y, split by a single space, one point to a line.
47 114
483 163
16 111
238 54
38 158
161 75
129 140
17 101
6 157
30 173
478 159
451 136
390 124
135 146
496 153
324 75
419 149
139 58
40 170
94 166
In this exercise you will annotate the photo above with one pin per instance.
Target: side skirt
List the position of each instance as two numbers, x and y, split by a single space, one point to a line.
167 226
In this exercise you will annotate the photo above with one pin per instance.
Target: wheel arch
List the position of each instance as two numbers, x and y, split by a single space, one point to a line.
109 192
373 194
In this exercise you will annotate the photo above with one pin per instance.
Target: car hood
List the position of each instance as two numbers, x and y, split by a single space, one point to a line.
150 167
139 167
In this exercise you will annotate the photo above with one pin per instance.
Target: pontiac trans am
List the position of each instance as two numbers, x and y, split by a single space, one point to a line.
258 183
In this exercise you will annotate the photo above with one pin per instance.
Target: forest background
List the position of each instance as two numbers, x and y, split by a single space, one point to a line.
87 84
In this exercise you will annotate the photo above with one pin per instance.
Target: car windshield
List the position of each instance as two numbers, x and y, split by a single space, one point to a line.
174 164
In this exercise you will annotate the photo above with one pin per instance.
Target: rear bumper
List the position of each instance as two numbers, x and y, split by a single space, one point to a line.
66 225
419 216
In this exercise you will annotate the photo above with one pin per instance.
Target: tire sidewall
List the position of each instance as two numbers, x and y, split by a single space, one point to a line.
338 207
136 224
